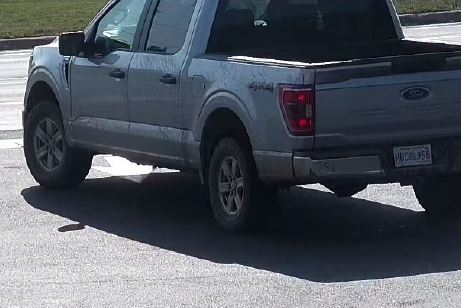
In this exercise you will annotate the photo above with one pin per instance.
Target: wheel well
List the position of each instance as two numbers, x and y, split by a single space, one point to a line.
40 91
220 124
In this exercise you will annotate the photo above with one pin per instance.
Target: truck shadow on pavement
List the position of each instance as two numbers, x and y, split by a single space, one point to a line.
313 236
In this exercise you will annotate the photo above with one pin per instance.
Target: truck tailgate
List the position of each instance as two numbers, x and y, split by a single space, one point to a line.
399 99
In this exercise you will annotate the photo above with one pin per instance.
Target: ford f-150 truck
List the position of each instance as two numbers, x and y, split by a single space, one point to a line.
253 95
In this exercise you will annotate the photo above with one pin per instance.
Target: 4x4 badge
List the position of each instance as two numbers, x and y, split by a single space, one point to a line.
268 86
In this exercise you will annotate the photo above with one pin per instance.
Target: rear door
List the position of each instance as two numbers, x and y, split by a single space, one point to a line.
409 99
99 84
155 80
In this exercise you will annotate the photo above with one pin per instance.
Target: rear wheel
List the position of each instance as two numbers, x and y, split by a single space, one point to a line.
440 196
51 161
236 194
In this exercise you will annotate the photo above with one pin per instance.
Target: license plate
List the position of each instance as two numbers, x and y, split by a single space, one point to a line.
418 155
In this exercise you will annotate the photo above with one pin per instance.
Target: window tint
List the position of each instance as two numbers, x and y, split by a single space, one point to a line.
169 25
120 23
297 24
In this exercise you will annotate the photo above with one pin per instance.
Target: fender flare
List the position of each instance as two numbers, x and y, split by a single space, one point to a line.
225 100
42 75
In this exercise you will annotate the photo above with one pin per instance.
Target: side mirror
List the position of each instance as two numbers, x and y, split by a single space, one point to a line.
101 47
71 44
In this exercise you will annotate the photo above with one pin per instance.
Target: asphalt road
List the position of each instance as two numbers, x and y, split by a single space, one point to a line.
147 239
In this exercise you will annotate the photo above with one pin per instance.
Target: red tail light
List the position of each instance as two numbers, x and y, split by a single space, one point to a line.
298 107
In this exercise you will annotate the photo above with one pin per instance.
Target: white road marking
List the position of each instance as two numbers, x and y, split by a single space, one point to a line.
17 84
446 37
16 55
435 40
119 166
14 79
15 51
14 60
11 144
11 117
452 24
122 167
11 103
21 82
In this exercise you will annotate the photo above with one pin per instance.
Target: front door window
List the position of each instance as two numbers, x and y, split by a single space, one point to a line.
118 27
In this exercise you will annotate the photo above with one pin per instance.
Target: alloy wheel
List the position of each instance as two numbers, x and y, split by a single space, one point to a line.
48 145
231 186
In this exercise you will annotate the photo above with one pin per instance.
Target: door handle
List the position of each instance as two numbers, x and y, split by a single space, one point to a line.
168 79
117 74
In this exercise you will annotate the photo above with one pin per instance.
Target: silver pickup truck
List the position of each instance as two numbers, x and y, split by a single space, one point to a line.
253 95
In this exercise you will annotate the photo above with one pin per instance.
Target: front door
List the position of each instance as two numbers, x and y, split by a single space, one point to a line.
99 84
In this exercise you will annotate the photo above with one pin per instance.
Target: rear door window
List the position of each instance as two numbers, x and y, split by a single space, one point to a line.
170 25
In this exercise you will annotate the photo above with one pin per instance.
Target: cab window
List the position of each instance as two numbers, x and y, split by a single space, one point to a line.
117 28
170 25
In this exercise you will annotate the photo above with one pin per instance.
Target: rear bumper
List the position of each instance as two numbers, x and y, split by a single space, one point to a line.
308 169
373 164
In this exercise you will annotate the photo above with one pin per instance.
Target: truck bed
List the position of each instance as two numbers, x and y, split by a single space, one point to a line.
348 52
363 93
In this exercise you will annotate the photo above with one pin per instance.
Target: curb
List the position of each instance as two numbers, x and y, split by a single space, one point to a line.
25 43
430 18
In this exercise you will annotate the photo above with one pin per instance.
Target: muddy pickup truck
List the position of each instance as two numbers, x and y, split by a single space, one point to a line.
252 95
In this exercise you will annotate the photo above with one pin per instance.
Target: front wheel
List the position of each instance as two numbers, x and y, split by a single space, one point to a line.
51 161
236 194
440 196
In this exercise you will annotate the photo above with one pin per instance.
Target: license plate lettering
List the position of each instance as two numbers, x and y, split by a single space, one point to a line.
419 155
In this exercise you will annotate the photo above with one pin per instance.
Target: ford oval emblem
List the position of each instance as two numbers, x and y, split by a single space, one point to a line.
415 93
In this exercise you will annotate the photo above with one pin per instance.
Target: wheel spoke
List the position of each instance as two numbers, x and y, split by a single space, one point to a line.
49 127
230 200
240 182
224 188
58 154
231 186
226 170
234 168
40 134
42 152
50 161
237 201
57 136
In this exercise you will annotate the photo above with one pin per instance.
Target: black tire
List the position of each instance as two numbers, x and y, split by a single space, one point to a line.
249 215
440 196
74 165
